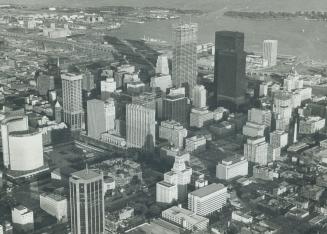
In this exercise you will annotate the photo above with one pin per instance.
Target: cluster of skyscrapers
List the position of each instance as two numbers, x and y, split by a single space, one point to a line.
176 102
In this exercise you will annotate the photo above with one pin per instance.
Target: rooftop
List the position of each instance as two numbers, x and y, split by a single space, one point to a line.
187 215
157 226
54 196
166 184
205 191
233 159
71 77
85 174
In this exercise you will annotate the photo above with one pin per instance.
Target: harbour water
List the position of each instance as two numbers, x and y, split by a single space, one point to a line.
297 36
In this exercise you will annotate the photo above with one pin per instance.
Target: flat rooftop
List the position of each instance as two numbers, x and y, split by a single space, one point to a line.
166 184
54 196
186 215
205 191
86 174
157 226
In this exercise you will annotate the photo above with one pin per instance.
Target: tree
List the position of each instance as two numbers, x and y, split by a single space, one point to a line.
154 211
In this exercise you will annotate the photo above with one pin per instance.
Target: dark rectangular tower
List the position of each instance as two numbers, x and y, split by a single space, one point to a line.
175 107
230 61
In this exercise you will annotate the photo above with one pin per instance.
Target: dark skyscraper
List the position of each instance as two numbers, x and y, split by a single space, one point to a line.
230 60
175 107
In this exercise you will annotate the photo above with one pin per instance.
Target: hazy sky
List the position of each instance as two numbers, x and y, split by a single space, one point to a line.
287 5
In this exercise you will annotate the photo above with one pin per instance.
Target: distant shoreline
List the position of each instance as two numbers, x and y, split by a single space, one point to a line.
269 15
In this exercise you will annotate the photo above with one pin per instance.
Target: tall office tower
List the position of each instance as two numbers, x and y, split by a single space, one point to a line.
72 100
162 65
279 139
270 48
108 86
86 202
58 112
110 114
162 79
256 150
96 122
8 125
166 192
180 174
175 182
45 83
282 108
260 116
146 99
208 200
88 81
162 82
175 107
199 96
184 66
230 60
152 100
140 127
174 132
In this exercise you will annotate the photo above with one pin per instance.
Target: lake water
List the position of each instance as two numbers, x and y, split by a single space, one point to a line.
298 37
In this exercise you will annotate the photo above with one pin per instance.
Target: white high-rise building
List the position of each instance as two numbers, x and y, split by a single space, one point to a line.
273 153
166 192
22 218
163 82
231 168
87 202
140 127
55 205
72 100
208 200
260 116
184 62
263 90
270 48
8 125
26 150
292 82
110 114
96 123
256 150
278 139
251 129
199 96
162 65
174 132
179 176
282 108
108 86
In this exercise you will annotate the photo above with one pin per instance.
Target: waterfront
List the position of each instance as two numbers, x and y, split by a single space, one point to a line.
297 36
